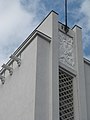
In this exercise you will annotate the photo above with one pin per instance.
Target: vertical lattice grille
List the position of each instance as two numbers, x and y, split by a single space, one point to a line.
66 110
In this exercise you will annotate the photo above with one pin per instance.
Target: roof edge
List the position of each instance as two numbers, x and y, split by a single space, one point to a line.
52 11
76 26
87 61
21 48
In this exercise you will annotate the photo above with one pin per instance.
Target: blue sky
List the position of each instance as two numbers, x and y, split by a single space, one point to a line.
18 18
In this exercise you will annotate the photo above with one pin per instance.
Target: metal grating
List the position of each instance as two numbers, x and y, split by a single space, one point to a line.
66 109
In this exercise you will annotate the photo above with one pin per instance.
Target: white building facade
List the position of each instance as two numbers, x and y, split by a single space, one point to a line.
52 81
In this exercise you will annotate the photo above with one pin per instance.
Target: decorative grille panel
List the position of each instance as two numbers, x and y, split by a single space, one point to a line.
66 110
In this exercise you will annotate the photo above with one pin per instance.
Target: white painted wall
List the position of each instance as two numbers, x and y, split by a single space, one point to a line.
50 28
80 76
17 95
87 83
42 80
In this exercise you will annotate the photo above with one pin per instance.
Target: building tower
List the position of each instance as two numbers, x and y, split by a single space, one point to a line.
49 84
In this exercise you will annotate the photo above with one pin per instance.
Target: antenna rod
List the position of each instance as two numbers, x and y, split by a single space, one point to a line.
66 15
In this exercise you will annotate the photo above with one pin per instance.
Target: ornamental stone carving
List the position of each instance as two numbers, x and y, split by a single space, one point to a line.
66 49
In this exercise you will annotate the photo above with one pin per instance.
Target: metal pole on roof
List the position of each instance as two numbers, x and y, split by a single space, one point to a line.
66 27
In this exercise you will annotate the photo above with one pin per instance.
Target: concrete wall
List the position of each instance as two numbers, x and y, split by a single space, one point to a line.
42 93
80 76
70 56
50 27
17 95
87 83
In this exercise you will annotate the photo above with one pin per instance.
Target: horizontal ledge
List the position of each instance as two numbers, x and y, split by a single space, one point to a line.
69 70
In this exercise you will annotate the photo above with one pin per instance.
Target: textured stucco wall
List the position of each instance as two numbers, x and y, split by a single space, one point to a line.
17 95
87 83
